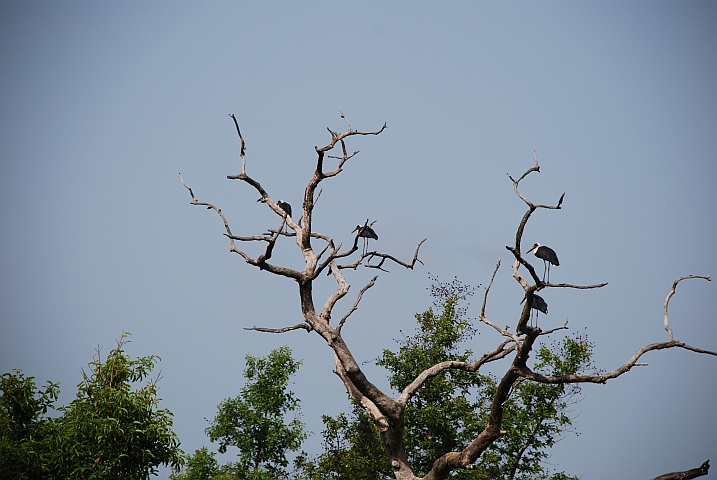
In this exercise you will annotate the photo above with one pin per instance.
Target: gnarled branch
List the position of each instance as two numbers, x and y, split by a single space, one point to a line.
282 330
672 292
499 352
525 372
693 473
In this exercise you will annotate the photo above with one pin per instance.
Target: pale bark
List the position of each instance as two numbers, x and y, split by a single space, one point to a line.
386 412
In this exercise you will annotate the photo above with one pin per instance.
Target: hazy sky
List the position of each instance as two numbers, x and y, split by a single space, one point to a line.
103 103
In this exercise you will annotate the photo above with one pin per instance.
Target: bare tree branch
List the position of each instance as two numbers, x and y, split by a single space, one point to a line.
603 378
282 330
535 168
548 332
519 259
261 260
243 145
694 473
358 299
485 320
387 413
570 285
382 256
385 257
209 207
531 208
341 290
672 292
487 289
499 352
344 117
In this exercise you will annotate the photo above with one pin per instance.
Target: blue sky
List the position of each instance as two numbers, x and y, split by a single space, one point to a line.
103 103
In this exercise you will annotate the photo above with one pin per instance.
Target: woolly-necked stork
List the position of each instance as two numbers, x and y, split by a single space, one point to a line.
287 208
539 305
283 206
366 232
547 255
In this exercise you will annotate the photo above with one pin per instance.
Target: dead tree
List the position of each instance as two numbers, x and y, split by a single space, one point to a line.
387 412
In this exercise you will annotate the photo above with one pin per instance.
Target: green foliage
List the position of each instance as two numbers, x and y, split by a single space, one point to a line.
442 416
23 428
352 450
200 466
110 431
536 415
254 421
451 409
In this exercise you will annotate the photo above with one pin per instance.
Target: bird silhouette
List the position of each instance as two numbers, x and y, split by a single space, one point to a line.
547 255
283 206
365 232
539 305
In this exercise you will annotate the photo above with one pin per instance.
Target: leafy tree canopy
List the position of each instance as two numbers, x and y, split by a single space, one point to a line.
23 425
255 420
451 409
112 430
446 413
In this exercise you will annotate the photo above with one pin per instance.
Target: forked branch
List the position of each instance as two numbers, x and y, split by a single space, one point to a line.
379 418
209 207
387 413
355 305
483 317
384 257
525 372
501 351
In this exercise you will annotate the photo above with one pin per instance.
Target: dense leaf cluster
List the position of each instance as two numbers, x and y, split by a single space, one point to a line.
446 413
23 426
352 449
110 431
254 422
451 409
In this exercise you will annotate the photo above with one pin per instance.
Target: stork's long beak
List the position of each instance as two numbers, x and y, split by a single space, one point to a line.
531 249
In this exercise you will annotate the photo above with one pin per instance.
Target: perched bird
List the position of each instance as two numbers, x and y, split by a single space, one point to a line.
537 304
283 206
287 208
366 232
547 255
